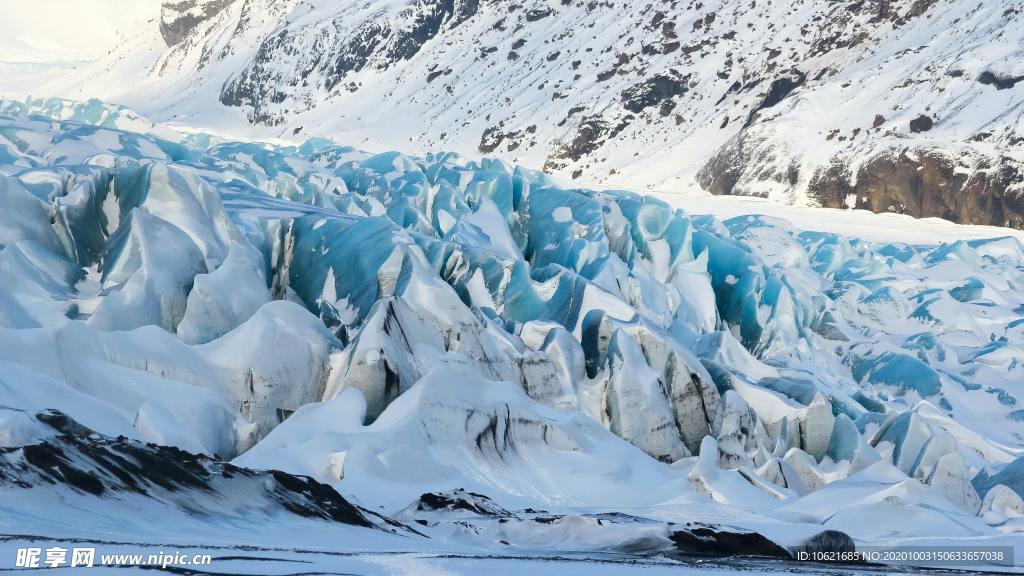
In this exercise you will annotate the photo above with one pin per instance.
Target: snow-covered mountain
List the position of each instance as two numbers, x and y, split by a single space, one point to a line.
912 107
442 354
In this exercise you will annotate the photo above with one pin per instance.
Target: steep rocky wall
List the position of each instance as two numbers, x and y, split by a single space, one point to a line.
179 19
927 183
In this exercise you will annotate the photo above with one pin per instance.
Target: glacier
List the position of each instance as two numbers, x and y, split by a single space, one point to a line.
471 352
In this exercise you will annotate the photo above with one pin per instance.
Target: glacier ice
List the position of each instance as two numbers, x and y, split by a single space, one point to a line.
393 325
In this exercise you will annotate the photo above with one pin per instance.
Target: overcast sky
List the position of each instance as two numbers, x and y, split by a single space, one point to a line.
49 29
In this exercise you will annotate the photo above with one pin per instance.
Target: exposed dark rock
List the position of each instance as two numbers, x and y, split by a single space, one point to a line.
878 121
1001 82
590 135
436 73
459 501
779 89
925 184
733 89
178 19
919 7
539 14
86 462
921 124
920 182
741 154
495 136
660 47
654 91
698 539
306 497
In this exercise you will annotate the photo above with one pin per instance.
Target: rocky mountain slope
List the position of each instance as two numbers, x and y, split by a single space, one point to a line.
913 107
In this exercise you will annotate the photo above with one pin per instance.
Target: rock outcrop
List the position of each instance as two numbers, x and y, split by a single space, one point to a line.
838 104
178 19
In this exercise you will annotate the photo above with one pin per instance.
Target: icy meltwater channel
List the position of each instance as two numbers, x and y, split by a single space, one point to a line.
469 352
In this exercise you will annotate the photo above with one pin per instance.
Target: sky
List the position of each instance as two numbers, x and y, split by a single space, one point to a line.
65 30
